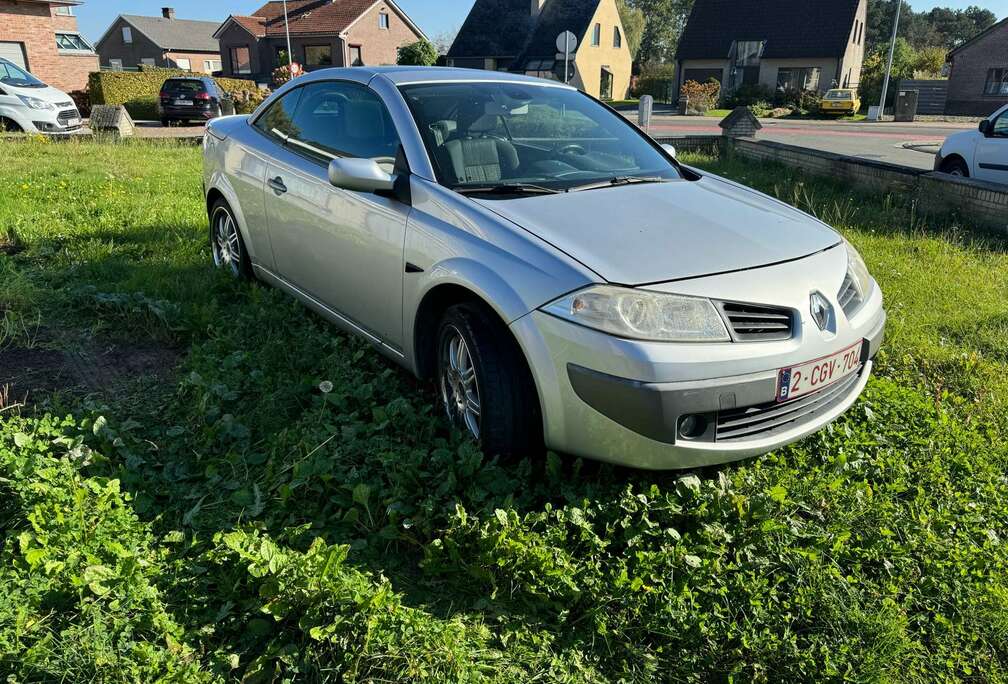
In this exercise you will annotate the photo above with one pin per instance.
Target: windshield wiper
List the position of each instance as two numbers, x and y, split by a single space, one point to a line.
506 189
619 180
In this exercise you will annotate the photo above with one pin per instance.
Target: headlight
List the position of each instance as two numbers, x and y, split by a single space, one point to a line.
642 314
36 103
858 272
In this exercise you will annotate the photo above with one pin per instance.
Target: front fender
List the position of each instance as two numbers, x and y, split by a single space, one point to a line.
218 181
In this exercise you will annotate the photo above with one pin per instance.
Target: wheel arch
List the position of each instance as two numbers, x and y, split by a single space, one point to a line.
219 189
952 158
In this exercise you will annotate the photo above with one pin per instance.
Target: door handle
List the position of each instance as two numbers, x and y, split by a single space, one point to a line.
277 185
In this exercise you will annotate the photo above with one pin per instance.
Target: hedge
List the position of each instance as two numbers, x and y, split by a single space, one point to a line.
139 90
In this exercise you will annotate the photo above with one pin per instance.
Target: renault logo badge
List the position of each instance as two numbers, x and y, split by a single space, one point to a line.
821 310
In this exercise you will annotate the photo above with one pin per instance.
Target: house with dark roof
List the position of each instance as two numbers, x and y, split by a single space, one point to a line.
521 36
978 81
780 44
166 41
323 33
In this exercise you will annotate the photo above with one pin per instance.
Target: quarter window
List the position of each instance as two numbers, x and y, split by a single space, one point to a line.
997 82
336 119
278 121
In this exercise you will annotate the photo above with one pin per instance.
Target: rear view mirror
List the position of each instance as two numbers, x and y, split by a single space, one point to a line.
670 149
362 175
985 126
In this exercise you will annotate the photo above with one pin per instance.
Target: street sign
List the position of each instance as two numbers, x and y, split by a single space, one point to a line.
566 43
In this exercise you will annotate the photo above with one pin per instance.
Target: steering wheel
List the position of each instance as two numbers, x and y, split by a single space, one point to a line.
573 148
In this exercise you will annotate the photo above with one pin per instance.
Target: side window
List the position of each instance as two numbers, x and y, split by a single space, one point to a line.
339 119
278 121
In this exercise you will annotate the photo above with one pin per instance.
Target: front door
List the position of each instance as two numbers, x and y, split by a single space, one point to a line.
992 151
606 86
342 248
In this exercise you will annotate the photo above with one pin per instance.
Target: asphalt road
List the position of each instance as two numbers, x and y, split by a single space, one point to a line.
886 141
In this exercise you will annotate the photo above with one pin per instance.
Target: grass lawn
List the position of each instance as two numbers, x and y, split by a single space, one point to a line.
216 485
718 113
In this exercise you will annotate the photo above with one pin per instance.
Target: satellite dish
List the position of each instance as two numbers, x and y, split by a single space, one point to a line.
566 41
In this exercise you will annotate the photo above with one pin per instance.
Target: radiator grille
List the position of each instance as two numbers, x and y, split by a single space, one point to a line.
757 323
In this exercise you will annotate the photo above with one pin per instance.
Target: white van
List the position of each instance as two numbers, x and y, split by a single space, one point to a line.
27 104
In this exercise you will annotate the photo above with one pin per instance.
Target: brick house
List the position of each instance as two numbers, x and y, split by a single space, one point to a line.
978 82
521 36
42 37
165 41
323 33
808 45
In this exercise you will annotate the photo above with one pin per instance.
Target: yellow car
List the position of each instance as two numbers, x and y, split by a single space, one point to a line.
840 101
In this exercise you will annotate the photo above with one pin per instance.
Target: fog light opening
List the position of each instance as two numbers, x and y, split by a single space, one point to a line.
692 427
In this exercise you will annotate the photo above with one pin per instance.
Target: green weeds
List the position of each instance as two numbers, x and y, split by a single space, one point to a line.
287 506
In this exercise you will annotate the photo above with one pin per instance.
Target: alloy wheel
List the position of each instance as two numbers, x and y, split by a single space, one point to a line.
226 243
459 386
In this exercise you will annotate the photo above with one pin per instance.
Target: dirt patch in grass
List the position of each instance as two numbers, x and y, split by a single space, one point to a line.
29 374
10 244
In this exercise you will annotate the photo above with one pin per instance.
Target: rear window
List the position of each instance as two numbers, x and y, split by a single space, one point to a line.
839 95
184 87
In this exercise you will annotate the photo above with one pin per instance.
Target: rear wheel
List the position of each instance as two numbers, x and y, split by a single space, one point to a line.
484 384
955 167
226 242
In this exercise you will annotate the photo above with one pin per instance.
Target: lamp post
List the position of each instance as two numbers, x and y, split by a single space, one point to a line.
888 73
290 55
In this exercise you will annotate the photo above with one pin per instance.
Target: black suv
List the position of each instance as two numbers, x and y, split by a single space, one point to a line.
188 98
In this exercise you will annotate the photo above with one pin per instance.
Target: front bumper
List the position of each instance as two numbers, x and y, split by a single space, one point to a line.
622 401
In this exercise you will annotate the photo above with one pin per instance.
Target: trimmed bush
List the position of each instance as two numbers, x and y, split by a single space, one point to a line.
143 108
127 87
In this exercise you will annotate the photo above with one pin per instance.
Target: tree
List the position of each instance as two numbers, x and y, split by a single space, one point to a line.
941 27
443 41
905 61
634 24
420 53
664 23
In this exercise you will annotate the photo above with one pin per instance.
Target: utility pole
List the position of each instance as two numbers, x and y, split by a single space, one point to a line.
888 73
290 55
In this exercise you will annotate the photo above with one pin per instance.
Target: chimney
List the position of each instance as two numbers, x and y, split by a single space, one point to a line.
537 6
168 12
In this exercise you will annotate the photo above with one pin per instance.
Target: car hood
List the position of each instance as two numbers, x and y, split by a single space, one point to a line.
657 232
48 94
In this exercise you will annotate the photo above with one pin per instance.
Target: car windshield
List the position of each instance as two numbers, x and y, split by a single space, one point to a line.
14 76
513 136
838 95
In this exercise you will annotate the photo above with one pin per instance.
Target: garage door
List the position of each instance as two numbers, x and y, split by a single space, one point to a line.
13 52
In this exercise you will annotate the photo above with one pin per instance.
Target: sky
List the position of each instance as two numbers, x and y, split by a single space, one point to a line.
435 17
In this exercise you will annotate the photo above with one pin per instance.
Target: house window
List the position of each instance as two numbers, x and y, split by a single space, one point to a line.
64 11
617 38
127 34
147 61
241 60
211 65
744 57
115 64
860 32
997 82
383 20
318 55
597 35
356 58
798 78
183 63
72 42
544 68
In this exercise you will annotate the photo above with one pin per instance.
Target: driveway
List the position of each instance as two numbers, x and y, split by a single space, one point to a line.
909 144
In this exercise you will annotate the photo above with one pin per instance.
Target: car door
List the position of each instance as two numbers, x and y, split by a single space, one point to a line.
992 151
341 247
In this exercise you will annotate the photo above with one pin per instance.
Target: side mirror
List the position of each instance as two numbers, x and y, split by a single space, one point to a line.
985 126
362 175
670 149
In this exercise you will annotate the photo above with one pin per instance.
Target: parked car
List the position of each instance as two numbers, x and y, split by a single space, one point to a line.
562 278
29 105
840 101
980 154
190 98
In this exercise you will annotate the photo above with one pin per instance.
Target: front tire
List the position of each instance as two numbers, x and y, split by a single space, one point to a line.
484 384
956 167
226 242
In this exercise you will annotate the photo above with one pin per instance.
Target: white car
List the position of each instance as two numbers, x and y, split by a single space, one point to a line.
980 154
29 105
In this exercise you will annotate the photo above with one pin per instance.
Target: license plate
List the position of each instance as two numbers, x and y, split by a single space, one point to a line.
812 376
73 122
184 103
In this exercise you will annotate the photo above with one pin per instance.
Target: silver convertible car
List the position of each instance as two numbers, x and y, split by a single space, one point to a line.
561 277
